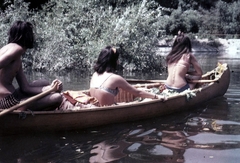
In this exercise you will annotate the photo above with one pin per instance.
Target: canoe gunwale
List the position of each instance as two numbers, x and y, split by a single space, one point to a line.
135 103
79 119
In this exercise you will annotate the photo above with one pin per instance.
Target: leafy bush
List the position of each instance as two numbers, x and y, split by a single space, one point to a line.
70 34
229 18
223 20
188 21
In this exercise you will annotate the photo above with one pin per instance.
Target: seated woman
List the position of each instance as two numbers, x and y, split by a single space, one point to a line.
179 63
21 38
104 84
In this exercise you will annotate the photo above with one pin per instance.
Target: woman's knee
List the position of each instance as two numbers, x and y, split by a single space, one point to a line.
56 98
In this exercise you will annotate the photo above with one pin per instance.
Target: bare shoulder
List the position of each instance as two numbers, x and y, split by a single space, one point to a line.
12 46
94 74
120 82
191 55
12 49
117 77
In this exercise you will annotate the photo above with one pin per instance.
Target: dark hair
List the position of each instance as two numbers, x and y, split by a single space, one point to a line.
107 60
21 33
181 45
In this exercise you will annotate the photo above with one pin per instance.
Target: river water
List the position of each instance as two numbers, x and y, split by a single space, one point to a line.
210 133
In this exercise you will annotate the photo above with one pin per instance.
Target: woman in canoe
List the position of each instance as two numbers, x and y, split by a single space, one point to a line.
182 65
104 85
20 39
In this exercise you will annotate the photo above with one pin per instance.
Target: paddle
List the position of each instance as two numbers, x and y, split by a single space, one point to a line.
203 81
29 100
163 81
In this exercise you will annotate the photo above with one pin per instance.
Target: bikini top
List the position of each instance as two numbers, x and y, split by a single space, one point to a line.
114 92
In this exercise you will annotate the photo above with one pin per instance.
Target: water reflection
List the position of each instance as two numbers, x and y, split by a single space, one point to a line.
108 151
211 156
168 140
172 138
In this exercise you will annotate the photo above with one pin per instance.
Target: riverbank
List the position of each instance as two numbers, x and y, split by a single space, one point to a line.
230 45
205 45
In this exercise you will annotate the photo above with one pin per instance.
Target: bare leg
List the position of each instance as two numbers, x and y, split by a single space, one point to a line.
50 102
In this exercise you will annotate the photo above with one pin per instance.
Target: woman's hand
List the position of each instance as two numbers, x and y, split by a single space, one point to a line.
160 97
59 85
189 77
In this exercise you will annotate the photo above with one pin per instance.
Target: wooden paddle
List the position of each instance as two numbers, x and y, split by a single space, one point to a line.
29 100
203 81
163 81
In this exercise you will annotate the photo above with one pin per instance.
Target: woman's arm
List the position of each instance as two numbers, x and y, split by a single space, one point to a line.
196 74
123 84
33 89
197 68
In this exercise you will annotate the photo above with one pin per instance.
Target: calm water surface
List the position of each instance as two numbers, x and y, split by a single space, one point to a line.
210 133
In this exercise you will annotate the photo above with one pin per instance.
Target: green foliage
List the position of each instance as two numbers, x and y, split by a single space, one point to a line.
188 21
196 4
229 17
70 34
221 21
135 32
14 12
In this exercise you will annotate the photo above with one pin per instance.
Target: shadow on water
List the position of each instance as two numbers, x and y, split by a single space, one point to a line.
209 133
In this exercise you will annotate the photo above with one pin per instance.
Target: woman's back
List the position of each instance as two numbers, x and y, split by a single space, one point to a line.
177 71
178 61
104 84
103 87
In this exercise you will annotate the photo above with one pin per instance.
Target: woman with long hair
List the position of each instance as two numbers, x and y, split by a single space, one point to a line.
182 65
21 38
105 84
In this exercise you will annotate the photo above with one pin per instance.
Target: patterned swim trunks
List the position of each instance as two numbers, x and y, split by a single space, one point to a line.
9 101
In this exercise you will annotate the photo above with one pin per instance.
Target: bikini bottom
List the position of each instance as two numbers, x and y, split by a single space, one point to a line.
178 89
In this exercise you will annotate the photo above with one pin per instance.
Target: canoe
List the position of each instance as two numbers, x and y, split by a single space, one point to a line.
214 83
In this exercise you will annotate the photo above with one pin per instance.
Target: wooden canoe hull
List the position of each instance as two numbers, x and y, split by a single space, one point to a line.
73 120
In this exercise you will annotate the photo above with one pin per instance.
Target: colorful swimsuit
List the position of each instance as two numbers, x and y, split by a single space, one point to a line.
114 92
9 101
178 89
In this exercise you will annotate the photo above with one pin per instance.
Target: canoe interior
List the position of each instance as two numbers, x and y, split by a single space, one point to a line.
125 96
